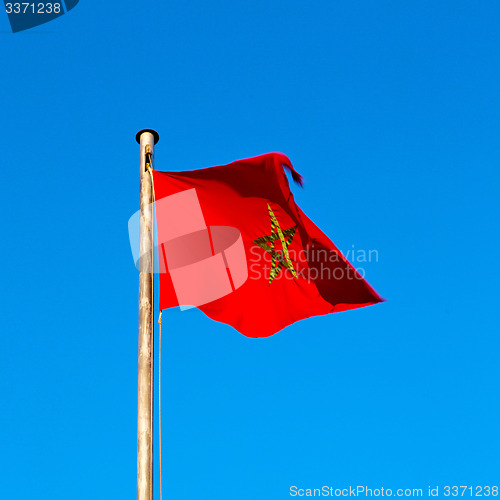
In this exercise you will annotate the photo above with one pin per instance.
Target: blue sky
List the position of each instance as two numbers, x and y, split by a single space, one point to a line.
389 109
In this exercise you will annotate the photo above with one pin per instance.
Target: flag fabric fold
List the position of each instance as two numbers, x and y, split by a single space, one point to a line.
233 243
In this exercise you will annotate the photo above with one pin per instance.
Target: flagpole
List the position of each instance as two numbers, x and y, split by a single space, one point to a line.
147 139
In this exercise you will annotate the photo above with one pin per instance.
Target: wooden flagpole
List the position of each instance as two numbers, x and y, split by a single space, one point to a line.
147 139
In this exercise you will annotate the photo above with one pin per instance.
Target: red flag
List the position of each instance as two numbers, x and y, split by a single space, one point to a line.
233 243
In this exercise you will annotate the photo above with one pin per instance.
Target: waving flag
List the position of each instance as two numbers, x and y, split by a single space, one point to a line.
233 243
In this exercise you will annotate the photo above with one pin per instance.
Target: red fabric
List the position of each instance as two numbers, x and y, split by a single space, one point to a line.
237 195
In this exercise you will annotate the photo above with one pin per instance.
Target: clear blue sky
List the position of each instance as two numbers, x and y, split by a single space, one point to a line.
391 112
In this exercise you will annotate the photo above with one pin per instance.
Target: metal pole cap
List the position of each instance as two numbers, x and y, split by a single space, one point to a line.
151 131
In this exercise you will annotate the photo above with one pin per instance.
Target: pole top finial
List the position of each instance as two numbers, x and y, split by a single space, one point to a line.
154 133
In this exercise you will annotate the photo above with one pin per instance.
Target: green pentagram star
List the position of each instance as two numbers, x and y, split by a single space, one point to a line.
267 243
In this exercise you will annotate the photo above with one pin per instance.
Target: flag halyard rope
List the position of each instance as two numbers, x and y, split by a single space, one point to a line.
150 170
159 398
